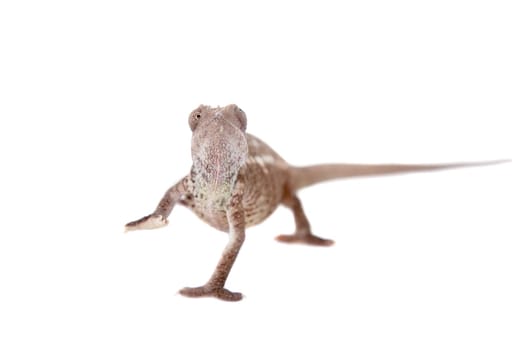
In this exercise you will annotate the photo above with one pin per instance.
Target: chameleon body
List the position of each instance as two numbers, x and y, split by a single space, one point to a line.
237 181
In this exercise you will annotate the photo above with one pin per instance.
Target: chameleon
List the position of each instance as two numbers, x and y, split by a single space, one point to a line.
237 181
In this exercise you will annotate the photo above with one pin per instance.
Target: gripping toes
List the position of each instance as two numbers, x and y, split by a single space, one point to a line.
308 239
147 223
206 291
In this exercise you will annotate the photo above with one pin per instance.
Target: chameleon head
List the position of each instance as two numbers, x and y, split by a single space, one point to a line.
219 147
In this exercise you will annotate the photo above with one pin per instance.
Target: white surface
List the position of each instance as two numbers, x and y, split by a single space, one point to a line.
93 129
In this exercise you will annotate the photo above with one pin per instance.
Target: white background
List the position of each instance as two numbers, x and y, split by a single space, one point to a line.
94 99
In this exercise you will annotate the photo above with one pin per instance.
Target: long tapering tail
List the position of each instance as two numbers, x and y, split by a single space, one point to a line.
311 175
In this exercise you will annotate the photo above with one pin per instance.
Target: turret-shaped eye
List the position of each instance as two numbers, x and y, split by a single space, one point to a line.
194 118
240 115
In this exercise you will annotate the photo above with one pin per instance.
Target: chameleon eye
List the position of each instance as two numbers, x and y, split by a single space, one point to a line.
241 116
194 119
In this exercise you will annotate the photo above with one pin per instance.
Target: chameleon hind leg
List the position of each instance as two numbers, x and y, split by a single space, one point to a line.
303 233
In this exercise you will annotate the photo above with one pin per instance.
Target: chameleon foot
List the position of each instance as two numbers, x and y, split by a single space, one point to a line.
206 291
305 239
147 223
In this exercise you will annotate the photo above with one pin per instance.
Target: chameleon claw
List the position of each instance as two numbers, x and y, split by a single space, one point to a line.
149 222
308 239
207 291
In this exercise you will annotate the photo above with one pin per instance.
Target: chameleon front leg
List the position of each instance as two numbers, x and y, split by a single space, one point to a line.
215 285
178 193
303 233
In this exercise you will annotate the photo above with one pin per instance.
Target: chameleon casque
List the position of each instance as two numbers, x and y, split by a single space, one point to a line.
237 181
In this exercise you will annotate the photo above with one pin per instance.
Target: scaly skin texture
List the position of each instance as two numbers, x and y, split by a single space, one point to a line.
237 181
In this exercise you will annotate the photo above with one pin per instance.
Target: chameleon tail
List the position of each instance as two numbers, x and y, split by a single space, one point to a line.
310 175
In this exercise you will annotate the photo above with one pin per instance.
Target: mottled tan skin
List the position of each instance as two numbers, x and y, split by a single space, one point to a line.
237 181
